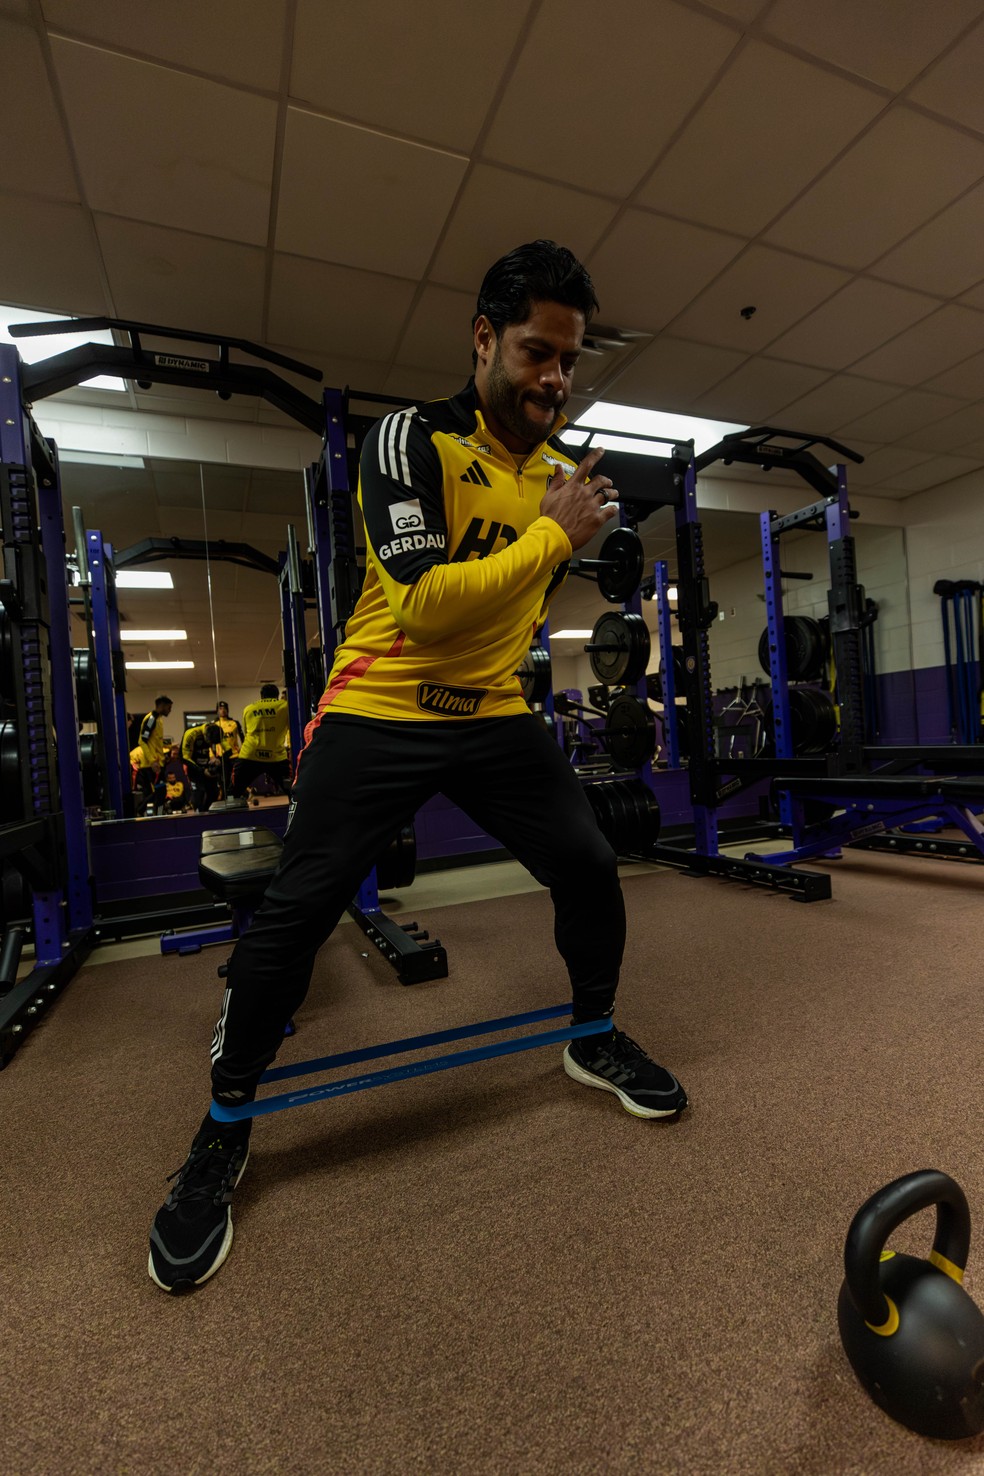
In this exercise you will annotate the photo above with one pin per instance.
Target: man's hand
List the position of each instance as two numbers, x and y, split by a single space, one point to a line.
583 504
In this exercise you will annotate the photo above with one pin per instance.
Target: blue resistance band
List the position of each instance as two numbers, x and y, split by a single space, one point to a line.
414 1068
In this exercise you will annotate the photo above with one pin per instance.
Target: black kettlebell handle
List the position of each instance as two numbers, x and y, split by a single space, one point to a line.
883 1213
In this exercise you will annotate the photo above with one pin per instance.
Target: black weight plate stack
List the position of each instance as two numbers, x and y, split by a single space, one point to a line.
622 551
627 813
534 675
397 866
812 719
85 687
11 803
805 648
630 732
92 783
625 643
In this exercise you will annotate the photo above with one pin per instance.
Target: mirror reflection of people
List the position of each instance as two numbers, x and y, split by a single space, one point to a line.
148 755
229 745
264 747
473 509
177 788
196 751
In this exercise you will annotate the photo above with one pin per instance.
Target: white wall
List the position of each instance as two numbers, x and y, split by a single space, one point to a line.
944 537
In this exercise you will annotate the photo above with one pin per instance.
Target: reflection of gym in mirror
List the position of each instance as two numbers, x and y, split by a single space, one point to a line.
200 633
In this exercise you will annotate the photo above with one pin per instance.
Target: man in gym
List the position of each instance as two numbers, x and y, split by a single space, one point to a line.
197 747
148 755
264 748
472 511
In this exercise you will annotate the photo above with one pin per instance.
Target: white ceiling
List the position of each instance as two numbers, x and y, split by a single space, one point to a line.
331 179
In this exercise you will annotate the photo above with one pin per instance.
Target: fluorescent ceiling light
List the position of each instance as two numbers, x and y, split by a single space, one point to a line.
143 579
631 419
159 665
571 635
32 350
153 635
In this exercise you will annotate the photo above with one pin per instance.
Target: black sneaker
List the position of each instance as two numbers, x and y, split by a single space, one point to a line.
616 1064
192 1231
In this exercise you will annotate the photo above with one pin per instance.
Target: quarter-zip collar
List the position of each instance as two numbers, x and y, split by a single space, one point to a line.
468 411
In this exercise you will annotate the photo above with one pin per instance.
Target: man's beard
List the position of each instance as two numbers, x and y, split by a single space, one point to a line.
506 404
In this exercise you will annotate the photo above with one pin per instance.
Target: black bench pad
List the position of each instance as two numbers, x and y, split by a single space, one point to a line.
236 865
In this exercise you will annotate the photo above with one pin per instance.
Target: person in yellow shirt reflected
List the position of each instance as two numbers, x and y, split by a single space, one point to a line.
264 747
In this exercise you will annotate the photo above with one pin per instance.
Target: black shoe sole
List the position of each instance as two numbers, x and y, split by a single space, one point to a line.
587 1078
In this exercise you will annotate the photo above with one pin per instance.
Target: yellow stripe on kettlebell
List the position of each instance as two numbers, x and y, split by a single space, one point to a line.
891 1323
947 1267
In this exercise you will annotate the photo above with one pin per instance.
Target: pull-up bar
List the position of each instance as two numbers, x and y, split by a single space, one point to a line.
284 1100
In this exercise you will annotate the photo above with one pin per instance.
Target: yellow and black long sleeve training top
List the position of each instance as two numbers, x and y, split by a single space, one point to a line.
266 724
194 745
151 741
460 567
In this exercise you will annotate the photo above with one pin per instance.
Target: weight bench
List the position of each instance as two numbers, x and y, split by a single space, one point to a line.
871 804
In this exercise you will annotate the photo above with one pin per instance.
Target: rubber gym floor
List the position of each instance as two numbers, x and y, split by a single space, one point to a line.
494 1269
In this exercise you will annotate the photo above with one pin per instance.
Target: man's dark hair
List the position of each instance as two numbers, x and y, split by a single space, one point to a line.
540 271
269 689
159 700
222 704
213 733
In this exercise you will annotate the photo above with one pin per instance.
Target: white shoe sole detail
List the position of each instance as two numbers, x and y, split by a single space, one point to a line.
224 1248
577 1073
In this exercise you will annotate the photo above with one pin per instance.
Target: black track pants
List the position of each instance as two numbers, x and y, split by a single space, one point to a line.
358 781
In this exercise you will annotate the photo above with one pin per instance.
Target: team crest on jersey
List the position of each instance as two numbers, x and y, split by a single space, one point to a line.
450 701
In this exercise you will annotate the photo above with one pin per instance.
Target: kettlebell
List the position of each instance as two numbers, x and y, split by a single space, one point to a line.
914 1337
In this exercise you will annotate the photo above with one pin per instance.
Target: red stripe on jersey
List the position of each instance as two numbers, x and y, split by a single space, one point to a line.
356 668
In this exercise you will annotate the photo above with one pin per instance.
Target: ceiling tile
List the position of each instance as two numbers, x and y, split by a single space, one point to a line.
936 471
649 268
930 346
892 420
439 334
886 41
781 288
885 464
974 298
965 380
953 86
48 257
670 373
628 70
23 9
756 391
174 278
736 166
422 384
371 216
842 398
943 256
45 167
903 170
336 310
240 40
499 209
209 169
435 82
856 321
952 433
741 10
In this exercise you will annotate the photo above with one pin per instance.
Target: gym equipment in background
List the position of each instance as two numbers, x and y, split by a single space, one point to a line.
414 1068
914 1337
962 610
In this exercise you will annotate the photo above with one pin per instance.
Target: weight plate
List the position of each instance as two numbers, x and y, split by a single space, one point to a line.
534 675
623 554
805 648
6 656
85 686
91 760
621 648
11 799
813 722
631 732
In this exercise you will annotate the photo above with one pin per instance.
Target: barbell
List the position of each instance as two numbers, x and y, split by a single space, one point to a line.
619 648
618 569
